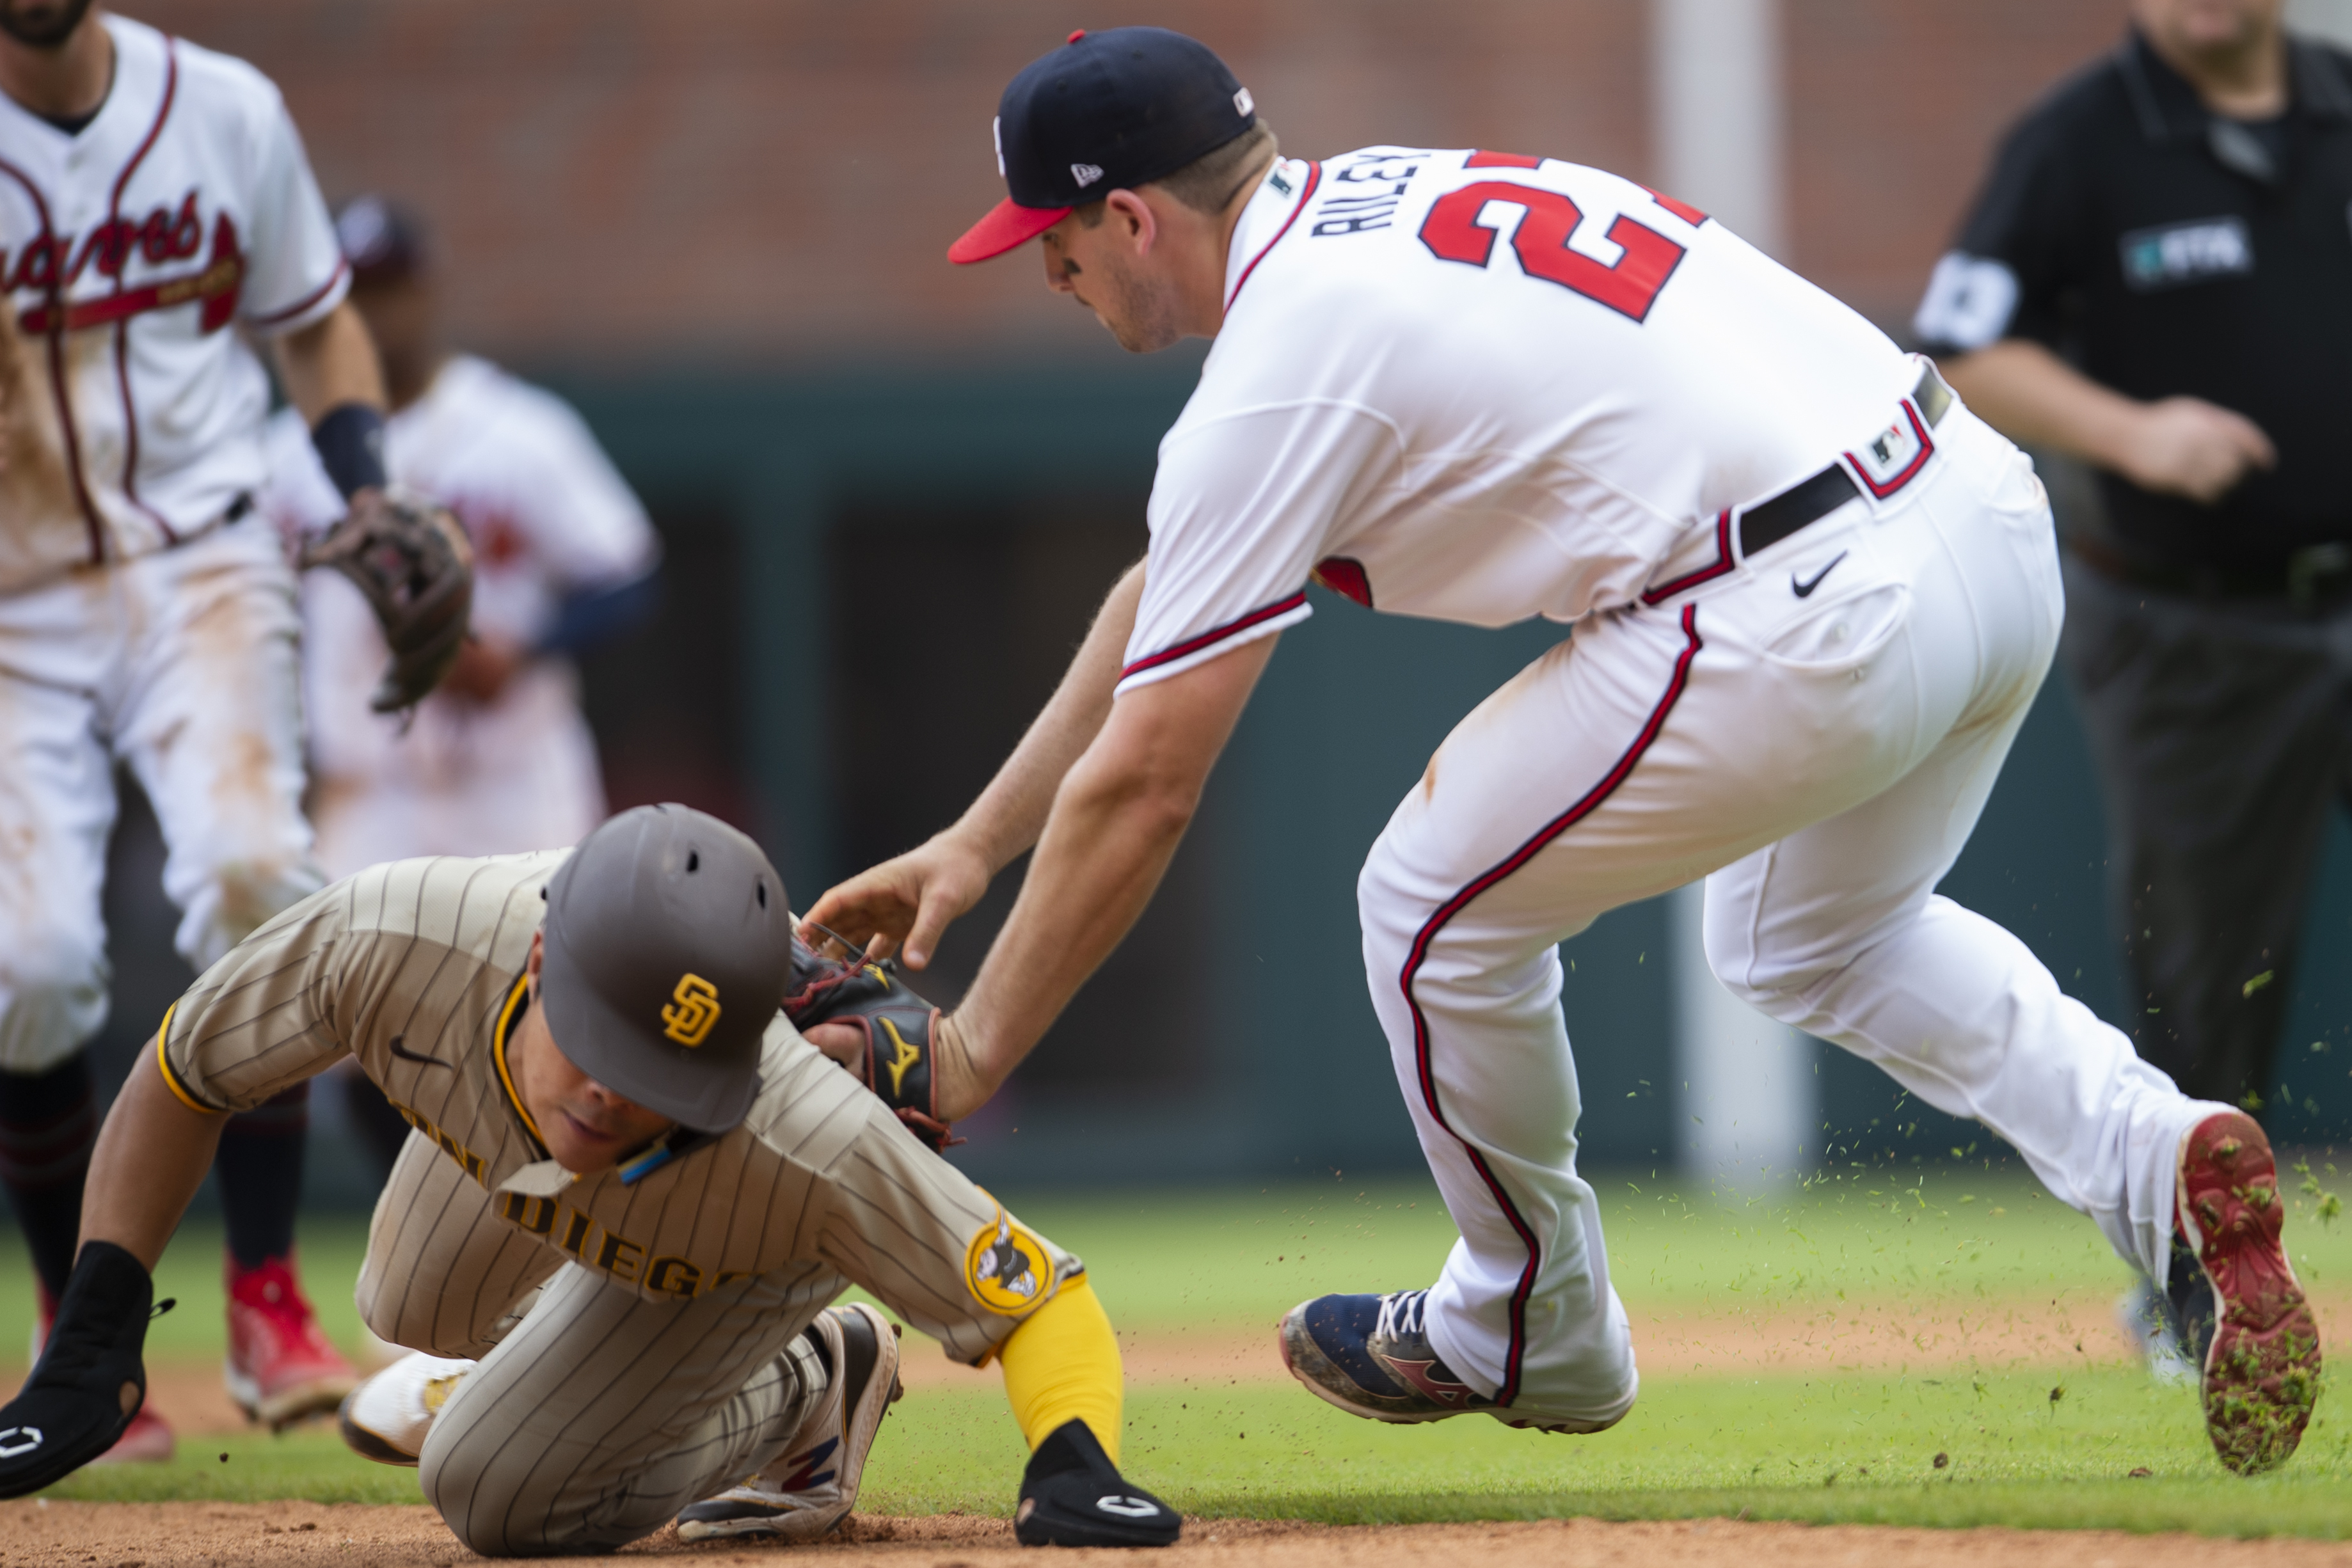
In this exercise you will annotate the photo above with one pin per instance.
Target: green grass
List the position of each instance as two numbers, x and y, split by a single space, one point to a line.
1853 1447
1226 1260
310 1462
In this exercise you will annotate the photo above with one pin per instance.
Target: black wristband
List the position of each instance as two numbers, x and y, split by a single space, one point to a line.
350 439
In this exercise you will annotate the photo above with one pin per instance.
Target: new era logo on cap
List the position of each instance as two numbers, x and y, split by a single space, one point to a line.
1106 111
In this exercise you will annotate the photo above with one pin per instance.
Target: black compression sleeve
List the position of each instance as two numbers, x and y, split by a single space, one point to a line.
350 439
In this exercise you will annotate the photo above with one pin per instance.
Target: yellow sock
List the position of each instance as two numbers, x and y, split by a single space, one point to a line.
1062 1365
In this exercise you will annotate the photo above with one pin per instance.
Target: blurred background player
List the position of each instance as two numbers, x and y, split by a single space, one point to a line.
498 759
155 196
2154 280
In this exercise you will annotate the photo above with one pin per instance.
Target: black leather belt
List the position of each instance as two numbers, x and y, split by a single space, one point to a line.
1810 500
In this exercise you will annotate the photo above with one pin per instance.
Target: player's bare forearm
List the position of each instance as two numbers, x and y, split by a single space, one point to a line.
2032 396
151 1156
2177 445
331 362
908 901
1115 824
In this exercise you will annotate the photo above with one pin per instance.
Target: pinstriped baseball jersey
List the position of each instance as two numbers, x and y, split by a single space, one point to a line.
415 969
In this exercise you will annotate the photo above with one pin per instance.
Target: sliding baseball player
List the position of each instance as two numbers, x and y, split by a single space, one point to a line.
631 1193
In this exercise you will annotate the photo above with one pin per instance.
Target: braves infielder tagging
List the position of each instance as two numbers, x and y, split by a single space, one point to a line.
631 1191
155 210
1813 598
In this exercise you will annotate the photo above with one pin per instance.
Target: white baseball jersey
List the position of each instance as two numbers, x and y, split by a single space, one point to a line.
548 517
1483 388
129 251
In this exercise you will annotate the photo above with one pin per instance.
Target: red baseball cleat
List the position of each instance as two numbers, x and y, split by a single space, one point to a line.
146 1441
281 1366
2262 1372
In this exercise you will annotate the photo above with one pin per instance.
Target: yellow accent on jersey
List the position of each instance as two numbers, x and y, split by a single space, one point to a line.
908 1055
171 1078
1062 1365
499 1054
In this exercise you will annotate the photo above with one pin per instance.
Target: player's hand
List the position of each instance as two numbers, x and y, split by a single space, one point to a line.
2187 446
904 904
484 664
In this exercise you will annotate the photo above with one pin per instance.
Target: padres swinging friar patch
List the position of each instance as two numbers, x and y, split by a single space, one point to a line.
1006 1267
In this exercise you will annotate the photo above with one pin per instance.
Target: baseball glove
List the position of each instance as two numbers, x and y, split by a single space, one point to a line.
412 561
900 1029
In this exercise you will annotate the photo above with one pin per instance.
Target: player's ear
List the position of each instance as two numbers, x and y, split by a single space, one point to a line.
530 964
1140 226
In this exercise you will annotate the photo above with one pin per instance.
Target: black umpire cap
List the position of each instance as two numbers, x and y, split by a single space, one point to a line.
665 953
1108 111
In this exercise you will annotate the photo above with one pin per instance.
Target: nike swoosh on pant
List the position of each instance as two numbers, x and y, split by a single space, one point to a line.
1804 589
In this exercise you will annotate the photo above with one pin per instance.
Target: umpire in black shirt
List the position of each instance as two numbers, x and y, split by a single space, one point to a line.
2158 280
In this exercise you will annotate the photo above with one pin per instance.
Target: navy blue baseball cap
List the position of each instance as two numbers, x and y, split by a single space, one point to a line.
1108 111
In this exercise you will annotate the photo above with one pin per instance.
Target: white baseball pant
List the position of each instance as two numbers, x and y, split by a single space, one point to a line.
182 664
1824 756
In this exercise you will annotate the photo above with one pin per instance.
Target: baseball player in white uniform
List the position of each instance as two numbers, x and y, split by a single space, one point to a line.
498 757
1813 598
156 211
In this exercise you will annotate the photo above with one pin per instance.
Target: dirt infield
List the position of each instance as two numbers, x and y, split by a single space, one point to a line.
309 1535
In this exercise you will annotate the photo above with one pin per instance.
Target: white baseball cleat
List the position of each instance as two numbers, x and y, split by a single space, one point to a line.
388 1418
810 1486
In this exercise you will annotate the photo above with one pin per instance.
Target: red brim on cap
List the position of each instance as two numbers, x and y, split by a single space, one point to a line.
1007 225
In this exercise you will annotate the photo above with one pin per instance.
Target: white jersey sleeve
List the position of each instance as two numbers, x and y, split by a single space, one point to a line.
1240 514
295 271
582 520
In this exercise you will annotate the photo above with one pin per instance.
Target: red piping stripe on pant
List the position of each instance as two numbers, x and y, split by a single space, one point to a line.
1590 802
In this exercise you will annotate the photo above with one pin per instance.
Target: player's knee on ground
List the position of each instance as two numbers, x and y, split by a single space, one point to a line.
504 1508
53 998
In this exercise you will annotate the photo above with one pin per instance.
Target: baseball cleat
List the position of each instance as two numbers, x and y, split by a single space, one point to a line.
2262 1370
1370 1355
810 1486
281 1366
2148 1318
388 1418
146 1441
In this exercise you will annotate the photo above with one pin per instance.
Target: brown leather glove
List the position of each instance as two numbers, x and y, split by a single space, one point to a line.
412 561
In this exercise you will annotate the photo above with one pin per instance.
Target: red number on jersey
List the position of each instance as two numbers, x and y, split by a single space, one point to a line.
1452 233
